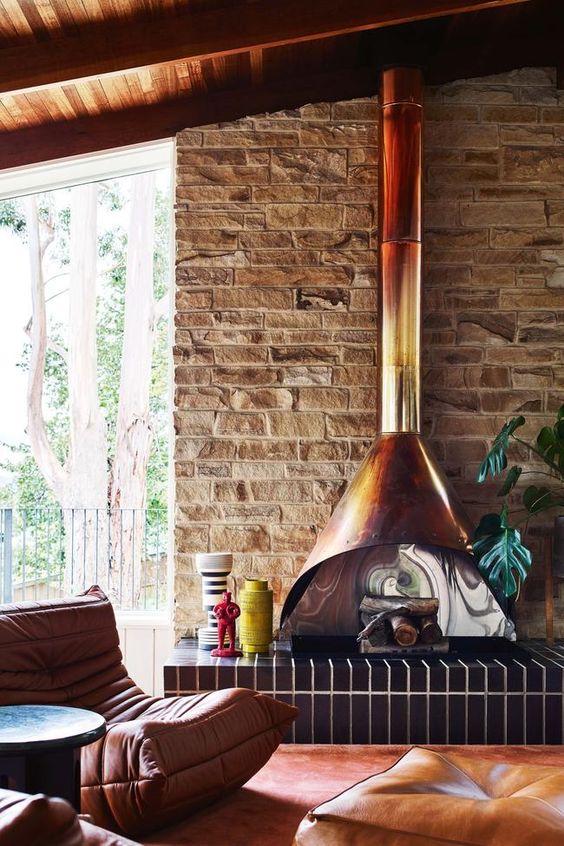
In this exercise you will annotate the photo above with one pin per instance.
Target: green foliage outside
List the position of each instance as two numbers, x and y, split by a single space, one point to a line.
503 558
36 508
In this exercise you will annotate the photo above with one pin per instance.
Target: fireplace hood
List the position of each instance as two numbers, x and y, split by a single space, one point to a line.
399 527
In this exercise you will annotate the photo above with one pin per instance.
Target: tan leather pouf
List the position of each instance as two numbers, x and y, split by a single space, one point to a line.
431 798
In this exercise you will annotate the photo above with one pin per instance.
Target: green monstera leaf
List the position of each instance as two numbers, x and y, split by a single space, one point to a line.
537 499
510 480
550 442
502 558
496 459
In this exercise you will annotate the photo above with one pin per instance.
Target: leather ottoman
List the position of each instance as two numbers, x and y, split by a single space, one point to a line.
429 798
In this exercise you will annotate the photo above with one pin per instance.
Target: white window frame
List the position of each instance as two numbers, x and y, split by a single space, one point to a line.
97 167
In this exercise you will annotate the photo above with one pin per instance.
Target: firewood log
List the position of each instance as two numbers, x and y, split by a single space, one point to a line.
429 630
405 633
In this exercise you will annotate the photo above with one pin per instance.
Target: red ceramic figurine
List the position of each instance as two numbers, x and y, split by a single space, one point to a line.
226 612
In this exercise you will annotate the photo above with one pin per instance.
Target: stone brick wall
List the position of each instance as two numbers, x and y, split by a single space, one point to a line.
276 381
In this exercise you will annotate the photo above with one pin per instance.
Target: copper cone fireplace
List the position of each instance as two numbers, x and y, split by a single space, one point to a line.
399 529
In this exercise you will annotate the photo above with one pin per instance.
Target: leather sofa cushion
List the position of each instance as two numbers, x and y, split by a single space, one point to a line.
180 755
66 652
161 758
433 799
37 821
43 821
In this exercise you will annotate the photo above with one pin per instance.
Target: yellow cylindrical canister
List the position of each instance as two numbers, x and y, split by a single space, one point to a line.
255 627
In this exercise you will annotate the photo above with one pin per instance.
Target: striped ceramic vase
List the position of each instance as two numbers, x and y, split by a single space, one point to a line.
213 567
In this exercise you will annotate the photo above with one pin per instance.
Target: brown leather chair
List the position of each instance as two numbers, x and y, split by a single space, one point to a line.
42 821
437 798
161 758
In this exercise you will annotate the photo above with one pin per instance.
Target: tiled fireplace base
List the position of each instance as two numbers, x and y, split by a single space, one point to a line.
376 700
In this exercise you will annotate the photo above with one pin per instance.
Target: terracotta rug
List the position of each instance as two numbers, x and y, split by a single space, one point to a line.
267 811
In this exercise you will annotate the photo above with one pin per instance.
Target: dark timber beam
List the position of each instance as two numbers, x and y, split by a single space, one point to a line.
59 139
241 26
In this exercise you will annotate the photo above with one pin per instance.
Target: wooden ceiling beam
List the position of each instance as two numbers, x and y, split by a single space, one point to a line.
59 139
116 48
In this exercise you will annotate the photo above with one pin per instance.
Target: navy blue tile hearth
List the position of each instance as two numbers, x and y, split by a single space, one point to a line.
510 699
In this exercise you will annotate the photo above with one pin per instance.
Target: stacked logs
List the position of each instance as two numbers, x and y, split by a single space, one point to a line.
402 620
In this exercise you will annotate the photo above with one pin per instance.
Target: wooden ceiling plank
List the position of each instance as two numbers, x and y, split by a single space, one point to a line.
120 46
164 119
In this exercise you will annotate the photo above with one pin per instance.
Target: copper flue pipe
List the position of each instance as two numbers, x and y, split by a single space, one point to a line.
400 231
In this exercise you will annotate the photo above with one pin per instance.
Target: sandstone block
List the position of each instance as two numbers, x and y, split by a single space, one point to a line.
303 216
205 398
225 138
239 317
291 538
527 135
301 320
355 110
192 354
304 470
244 512
307 166
199 157
351 135
241 355
509 114
296 424
264 240
300 375
486 328
474 92
203 277
281 258
348 425
193 300
256 298
192 491
322 399
267 490
184 375
533 164
249 400
188 138
266 450
354 375
195 422
503 214
258 470
304 355
214 258
239 423
252 538
515 402
322 298
313 451
212 194
286 194
457 134
533 377
243 376
347 194
539 237
364 399
305 515
221 175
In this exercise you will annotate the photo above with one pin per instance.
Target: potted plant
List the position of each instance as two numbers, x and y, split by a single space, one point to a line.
503 558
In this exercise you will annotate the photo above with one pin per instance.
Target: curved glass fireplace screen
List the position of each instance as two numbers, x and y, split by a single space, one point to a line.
329 605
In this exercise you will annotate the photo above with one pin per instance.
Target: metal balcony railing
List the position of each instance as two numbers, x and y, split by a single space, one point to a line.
47 553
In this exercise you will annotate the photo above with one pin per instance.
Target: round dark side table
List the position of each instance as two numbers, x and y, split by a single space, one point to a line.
40 748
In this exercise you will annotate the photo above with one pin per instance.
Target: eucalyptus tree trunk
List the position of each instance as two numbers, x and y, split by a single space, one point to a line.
80 483
133 431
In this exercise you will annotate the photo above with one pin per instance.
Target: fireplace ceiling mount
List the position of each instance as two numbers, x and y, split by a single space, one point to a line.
399 504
